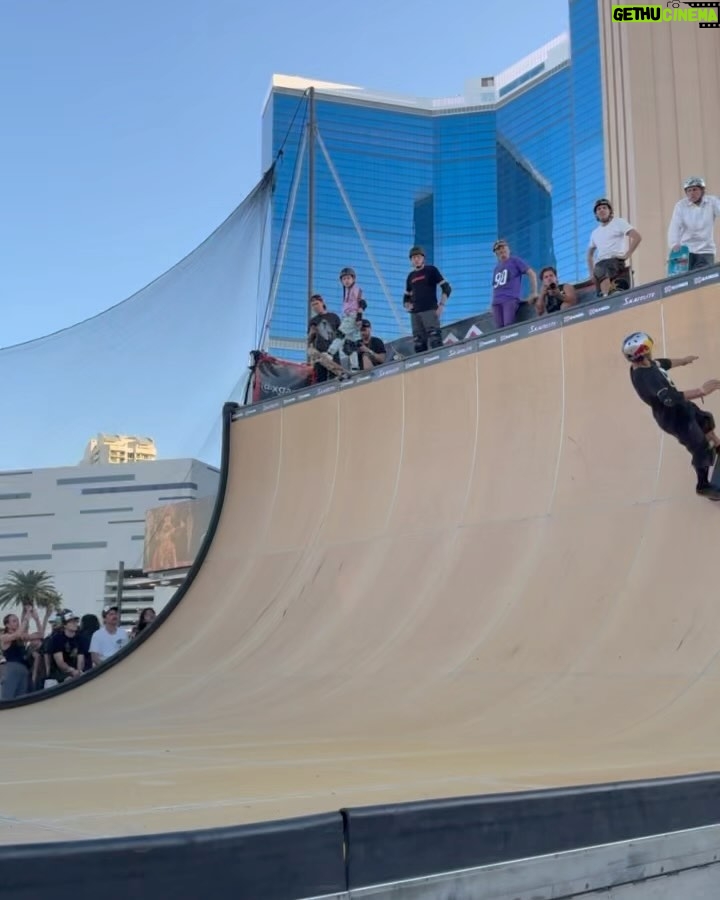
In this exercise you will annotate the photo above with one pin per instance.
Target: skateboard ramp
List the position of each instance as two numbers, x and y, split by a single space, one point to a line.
487 575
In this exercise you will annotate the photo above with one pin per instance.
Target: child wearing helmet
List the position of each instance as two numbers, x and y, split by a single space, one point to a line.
348 335
672 409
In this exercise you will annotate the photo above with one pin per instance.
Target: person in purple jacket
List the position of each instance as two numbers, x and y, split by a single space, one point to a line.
507 284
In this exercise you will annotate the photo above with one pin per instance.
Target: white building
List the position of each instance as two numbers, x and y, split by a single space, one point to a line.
79 522
119 448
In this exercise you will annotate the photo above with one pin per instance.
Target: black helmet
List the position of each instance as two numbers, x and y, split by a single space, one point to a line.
603 201
347 271
416 251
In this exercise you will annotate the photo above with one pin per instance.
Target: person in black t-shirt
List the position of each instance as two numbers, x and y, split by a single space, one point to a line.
554 295
322 330
371 349
672 409
67 649
420 300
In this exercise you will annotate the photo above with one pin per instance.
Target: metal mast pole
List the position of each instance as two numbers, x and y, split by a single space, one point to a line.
311 196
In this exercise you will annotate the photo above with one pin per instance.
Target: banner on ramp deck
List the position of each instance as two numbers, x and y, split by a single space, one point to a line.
274 378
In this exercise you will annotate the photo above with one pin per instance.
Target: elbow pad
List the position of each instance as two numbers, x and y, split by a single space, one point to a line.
446 288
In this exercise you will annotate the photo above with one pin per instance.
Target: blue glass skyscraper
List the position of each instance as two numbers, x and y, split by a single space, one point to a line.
518 155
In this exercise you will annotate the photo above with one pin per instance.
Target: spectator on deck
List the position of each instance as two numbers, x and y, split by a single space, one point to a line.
507 284
109 639
554 295
420 300
372 350
322 330
613 240
693 223
348 334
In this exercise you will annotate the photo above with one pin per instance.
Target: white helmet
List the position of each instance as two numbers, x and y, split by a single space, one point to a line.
637 345
694 181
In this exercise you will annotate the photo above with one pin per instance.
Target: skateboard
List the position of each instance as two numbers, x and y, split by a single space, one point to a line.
329 363
678 261
715 471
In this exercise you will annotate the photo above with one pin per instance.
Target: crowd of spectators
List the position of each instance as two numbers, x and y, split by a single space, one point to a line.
609 260
37 654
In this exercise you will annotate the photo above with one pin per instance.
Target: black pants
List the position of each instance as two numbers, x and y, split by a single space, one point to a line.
691 430
426 330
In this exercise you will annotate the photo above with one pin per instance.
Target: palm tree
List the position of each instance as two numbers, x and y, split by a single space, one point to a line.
29 588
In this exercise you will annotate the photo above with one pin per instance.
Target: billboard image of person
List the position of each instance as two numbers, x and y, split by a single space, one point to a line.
173 534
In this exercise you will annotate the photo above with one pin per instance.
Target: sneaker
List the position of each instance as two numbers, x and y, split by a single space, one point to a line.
709 491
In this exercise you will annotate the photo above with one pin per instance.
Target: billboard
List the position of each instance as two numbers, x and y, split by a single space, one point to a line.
174 533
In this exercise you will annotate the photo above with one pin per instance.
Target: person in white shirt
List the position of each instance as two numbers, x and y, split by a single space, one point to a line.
693 223
614 241
109 639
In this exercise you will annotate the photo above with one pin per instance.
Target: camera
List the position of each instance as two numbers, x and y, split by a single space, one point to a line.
552 286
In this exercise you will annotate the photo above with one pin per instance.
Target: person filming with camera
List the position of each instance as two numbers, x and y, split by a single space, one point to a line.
553 295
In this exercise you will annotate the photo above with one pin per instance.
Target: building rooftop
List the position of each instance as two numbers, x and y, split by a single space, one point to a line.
487 90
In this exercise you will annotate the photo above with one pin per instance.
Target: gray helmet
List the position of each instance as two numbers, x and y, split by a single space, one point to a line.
416 251
603 201
694 181
347 271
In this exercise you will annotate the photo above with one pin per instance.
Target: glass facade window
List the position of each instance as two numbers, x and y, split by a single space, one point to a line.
527 168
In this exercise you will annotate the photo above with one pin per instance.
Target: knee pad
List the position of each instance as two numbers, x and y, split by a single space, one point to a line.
622 283
434 338
706 420
420 345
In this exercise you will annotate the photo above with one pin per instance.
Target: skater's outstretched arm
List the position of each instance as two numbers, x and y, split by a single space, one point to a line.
683 361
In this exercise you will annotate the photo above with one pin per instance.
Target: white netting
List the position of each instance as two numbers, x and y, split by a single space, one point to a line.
160 363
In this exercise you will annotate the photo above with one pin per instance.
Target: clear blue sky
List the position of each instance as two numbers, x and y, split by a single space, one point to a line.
130 130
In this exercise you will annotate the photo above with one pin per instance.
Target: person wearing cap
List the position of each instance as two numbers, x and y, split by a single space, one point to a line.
66 649
420 300
108 639
372 350
614 240
507 284
693 223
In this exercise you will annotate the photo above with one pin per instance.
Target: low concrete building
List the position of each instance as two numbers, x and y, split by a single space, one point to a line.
79 522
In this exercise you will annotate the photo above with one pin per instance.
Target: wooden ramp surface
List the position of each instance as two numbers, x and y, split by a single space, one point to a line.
487 575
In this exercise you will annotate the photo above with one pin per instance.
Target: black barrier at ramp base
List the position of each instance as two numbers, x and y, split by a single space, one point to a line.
394 843
281 860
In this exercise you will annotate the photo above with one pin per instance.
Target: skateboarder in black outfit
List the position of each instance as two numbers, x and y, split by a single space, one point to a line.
672 409
420 300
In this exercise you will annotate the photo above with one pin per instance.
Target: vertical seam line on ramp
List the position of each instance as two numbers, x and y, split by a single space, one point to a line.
401 453
473 463
561 438
278 471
